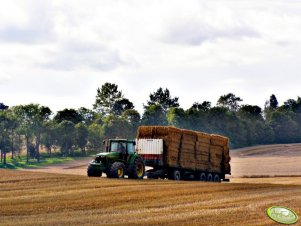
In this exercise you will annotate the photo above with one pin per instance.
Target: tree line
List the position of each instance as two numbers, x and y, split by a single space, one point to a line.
78 131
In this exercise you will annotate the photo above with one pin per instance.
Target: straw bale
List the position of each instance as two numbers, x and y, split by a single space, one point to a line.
187 147
226 150
188 142
161 130
145 132
219 140
201 144
189 135
202 158
203 137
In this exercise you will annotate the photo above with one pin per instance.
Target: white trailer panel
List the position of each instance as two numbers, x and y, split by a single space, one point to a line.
149 146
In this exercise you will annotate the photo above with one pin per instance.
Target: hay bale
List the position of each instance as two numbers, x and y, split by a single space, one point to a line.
203 137
145 132
202 158
160 131
185 147
188 164
189 135
219 140
201 144
226 150
190 142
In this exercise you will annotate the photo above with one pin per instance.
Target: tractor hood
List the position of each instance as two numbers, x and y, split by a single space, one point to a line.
108 154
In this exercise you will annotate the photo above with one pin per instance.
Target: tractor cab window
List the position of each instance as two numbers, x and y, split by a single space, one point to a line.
131 148
118 147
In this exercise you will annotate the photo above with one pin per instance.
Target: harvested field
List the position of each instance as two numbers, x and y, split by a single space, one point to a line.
267 161
29 198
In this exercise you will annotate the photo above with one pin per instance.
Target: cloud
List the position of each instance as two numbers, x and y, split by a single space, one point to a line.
26 35
75 55
33 24
192 32
4 78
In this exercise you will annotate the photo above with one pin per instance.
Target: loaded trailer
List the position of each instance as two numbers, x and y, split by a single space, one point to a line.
178 154
166 152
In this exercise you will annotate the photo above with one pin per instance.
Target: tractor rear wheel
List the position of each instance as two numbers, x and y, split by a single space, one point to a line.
137 169
117 170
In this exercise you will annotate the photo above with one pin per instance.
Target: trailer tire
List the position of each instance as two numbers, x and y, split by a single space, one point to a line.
209 177
117 170
175 175
202 176
217 178
137 170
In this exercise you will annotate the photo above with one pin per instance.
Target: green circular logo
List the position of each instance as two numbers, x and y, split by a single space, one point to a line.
282 215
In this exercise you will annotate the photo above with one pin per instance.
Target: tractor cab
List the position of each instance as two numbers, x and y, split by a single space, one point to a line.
121 146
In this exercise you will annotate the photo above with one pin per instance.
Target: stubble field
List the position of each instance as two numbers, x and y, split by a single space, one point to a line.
58 198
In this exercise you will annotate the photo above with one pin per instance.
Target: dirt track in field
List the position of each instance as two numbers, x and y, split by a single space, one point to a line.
257 161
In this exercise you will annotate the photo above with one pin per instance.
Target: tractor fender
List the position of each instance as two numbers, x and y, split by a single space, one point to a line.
133 157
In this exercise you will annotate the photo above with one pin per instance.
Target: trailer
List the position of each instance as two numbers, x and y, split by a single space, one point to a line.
177 154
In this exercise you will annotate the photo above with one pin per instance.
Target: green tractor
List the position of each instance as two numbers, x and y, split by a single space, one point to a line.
117 160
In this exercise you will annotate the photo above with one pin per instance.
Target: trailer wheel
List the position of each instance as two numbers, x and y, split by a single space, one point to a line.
175 175
202 176
217 178
117 170
210 177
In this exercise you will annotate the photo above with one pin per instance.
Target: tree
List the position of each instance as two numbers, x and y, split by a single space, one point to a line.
106 98
49 137
205 106
95 136
81 137
177 117
66 137
5 124
154 115
162 98
31 119
250 112
229 101
87 115
273 102
3 106
122 105
68 115
133 119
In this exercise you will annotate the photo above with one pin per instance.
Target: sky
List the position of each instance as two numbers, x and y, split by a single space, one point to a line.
57 53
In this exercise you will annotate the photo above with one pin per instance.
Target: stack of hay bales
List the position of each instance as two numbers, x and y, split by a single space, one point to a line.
187 151
173 143
219 153
202 149
171 137
190 149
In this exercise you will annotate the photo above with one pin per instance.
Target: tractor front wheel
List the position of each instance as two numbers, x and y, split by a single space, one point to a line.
91 172
137 169
117 170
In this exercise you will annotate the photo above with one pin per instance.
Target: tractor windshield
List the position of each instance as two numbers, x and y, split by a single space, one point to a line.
118 146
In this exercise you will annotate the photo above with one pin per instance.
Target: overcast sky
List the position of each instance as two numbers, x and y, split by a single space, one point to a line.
57 53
